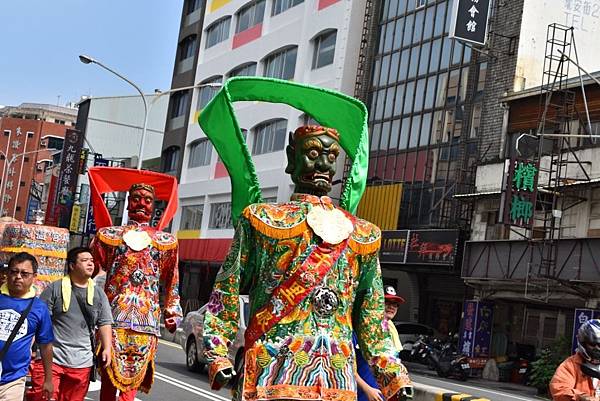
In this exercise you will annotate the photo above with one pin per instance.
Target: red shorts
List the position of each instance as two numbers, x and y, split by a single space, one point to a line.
70 384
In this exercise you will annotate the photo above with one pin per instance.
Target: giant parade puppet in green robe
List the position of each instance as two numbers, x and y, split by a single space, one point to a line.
310 267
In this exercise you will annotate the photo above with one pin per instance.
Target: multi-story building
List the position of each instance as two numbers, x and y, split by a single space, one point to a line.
444 116
184 76
27 130
312 41
424 91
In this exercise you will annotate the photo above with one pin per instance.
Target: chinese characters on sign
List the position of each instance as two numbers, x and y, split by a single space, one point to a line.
466 331
581 14
69 172
470 21
581 316
476 329
520 192
69 166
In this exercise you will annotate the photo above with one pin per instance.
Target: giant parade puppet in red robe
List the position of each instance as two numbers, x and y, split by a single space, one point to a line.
136 257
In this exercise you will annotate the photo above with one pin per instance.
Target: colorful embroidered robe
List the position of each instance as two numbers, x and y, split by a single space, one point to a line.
305 356
132 288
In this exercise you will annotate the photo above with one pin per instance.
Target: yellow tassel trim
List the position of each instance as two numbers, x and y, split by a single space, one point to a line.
363 248
35 252
275 232
109 241
165 247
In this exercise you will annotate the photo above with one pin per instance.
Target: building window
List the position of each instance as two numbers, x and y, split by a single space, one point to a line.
269 137
193 5
6 132
22 183
250 15
206 93
281 64
54 143
170 159
280 6
200 152
30 134
179 104
217 32
187 47
246 70
220 216
324 49
421 3
191 217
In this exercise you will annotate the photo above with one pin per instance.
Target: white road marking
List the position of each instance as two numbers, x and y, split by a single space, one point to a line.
169 344
189 387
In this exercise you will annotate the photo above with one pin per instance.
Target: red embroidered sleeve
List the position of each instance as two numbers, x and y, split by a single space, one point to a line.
169 271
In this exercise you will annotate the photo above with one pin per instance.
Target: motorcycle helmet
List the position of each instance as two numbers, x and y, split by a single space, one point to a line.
588 346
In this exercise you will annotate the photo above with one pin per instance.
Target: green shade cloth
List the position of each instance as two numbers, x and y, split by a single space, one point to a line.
330 108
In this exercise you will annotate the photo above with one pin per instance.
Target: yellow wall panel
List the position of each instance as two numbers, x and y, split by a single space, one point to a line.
216 4
380 205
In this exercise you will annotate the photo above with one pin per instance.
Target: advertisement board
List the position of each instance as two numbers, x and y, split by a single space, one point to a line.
426 247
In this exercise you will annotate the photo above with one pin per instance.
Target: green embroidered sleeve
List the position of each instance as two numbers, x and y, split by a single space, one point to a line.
222 311
375 343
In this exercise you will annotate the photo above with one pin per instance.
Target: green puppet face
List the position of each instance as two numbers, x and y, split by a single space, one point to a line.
311 163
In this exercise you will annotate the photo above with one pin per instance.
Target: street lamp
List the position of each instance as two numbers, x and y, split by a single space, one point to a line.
89 60
147 107
9 163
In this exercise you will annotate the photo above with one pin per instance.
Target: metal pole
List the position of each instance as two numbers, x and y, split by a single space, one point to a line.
143 141
580 67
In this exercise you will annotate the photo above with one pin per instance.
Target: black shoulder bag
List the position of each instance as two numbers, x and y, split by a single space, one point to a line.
89 321
15 330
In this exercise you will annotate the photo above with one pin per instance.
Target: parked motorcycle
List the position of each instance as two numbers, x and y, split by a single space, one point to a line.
442 357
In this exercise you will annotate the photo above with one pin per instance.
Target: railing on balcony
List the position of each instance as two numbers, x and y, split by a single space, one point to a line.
577 260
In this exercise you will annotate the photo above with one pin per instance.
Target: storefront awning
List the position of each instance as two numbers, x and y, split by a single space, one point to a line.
204 249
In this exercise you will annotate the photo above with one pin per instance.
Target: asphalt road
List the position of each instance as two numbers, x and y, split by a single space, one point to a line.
173 382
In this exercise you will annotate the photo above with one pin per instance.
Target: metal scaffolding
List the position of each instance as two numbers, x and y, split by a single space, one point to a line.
559 165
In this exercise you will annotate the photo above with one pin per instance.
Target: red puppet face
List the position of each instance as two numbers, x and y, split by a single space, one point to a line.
141 205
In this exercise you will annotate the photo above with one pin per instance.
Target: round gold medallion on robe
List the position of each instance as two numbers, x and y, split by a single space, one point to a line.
332 226
137 240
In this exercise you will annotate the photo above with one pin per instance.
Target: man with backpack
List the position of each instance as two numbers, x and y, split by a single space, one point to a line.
77 307
22 317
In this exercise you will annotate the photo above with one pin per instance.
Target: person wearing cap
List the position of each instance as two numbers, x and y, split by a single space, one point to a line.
367 388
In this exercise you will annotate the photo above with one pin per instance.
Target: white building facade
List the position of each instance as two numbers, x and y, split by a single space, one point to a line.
312 41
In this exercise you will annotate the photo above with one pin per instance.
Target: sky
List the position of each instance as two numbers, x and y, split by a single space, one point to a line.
42 39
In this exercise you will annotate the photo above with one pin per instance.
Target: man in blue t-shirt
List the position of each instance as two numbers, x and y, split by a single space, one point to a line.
15 296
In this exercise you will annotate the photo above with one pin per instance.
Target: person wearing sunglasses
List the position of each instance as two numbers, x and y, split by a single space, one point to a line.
22 317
